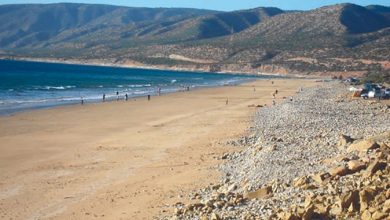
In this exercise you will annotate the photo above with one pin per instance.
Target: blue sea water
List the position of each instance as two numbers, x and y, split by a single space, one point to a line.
31 85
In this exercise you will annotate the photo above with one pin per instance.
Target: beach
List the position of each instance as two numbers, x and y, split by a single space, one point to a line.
123 160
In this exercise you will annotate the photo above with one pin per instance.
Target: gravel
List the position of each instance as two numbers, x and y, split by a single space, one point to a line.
292 139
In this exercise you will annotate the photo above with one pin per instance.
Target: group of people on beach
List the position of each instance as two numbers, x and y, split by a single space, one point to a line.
126 95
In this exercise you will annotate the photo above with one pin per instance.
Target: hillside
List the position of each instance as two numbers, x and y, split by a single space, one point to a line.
42 25
332 39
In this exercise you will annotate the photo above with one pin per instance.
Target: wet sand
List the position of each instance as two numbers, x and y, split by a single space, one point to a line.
123 160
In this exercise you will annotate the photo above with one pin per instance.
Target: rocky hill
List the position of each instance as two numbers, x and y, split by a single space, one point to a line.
332 39
40 25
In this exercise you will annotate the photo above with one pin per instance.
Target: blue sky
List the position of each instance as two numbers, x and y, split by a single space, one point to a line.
223 5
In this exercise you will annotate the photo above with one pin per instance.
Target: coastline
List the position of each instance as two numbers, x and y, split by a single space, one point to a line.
137 65
123 159
8 109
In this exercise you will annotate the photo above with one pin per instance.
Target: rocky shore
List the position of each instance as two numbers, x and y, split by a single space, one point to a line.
323 155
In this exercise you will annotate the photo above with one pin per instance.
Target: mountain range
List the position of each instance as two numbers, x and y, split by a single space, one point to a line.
331 39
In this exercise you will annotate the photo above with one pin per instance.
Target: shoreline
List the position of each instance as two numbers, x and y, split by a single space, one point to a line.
123 159
56 101
97 62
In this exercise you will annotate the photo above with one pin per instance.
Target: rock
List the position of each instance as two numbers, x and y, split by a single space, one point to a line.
301 181
309 211
288 216
384 146
356 165
336 209
374 167
378 215
386 206
260 193
308 201
350 198
225 156
344 140
363 146
231 188
365 197
366 215
338 171
215 216
321 177
194 206
322 209
204 217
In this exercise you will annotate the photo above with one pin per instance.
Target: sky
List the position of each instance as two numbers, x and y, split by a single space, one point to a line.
221 5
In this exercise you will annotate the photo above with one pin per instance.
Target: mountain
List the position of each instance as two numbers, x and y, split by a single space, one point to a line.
40 24
342 37
383 10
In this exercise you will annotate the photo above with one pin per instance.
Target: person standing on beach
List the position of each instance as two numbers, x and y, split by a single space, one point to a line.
148 97
82 100
126 97
159 91
104 97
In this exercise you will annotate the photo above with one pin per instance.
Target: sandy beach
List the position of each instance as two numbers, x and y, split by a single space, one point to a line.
123 160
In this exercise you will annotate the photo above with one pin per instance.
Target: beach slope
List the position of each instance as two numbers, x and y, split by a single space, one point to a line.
122 159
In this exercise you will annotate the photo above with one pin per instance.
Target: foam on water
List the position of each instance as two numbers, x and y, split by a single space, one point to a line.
31 85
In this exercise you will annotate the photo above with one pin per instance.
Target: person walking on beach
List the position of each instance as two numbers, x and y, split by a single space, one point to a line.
117 95
159 91
104 97
126 97
82 100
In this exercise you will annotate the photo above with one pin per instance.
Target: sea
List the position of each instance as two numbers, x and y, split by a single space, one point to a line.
28 85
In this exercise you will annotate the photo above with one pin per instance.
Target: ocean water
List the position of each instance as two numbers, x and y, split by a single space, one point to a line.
31 85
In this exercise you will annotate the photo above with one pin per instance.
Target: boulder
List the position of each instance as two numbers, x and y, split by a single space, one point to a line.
260 193
350 198
363 146
339 171
356 165
366 215
378 215
374 167
386 206
365 197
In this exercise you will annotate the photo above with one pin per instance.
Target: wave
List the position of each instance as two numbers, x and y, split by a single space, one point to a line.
53 87
139 85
